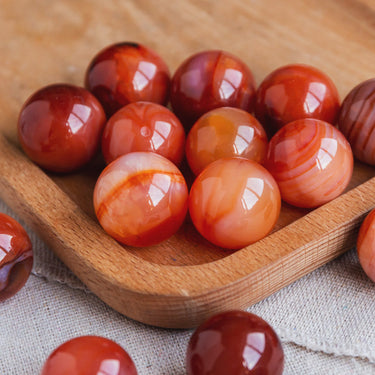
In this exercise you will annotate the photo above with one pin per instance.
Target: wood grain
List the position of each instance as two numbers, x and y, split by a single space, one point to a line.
183 280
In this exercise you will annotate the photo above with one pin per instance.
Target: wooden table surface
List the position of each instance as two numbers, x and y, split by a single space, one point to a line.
44 42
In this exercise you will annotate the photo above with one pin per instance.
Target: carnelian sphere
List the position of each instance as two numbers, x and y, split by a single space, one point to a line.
234 343
16 257
89 355
140 199
60 127
144 126
366 245
209 80
225 132
357 121
294 92
234 202
311 161
127 72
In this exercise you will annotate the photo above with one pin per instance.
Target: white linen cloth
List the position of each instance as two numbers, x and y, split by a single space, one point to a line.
325 321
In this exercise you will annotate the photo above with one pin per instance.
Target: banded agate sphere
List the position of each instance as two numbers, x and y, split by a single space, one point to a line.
235 343
234 202
311 161
144 126
60 127
89 355
127 72
294 92
209 80
225 132
357 121
16 257
366 245
140 199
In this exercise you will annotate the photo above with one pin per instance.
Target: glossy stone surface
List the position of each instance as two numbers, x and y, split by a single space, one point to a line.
294 92
16 257
144 126
127 72
209 80
234 343
311 161
357 121
225 132
89 355
366 245
234 202
60 126
140 199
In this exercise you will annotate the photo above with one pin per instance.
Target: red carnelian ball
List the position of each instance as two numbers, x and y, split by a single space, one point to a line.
89 355
225 132
127 72
357 121
235 343
16 257
366 245
144 126
140 199
311 161
60 127
209 80
295 92
234 202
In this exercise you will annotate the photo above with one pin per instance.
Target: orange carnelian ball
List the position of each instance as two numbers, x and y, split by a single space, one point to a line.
234 202
59 127
357 121
89 355
293 92
366 245
311 161
140 199
16 257
208 80
225 132
144 126
127 72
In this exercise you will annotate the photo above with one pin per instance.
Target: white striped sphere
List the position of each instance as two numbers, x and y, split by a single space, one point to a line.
141 199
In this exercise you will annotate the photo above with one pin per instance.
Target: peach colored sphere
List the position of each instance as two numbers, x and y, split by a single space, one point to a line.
311 161
140 199
234 202
366 245
225 132
144 126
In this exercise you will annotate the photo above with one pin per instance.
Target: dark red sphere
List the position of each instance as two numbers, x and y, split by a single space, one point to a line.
127 72
295 92
89 355
143 126
60 127
16 257
235 343
209 80
357 121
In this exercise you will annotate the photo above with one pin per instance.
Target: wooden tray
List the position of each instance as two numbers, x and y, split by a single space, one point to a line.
183 280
